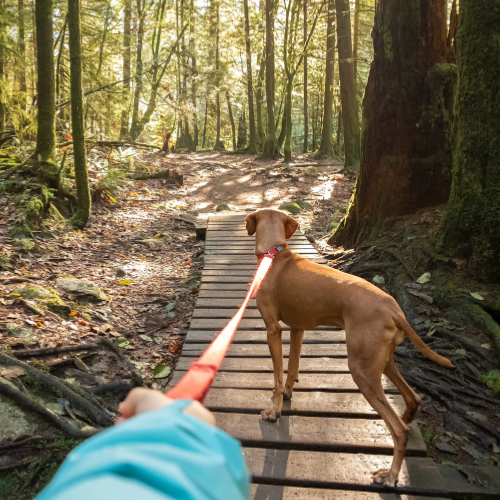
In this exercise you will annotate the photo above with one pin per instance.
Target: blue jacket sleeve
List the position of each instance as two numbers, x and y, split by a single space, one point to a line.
161 455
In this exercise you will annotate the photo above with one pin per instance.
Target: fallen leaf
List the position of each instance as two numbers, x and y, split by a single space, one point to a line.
423 296
448 448
82 323
161 371
12 373
486 346
432 331
73 313
476 296
146 338
473 452
425 278
478 416
462 352
80 364
170 306
124 282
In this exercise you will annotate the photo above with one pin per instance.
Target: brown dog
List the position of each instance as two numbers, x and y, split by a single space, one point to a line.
305 295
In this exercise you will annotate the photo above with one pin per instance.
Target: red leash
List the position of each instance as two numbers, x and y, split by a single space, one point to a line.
198 380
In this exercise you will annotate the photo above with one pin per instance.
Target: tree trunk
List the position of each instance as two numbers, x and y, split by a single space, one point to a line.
58 64
347 85
135 127
79 219
45 139
281 137
22 51
252 141
452 31
471 223
194 74
355 43
258 97
127 55
103 40
218 143
270 145
3 42
325 148
406 155
306 121
205 125
288 121
231 119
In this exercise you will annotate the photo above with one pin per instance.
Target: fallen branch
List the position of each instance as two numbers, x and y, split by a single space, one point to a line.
28 353
170 175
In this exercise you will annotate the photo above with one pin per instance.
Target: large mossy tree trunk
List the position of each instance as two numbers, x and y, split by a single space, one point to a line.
252 141
261 136
347 85
79 219
325 148
406 151
471 224
135 129
127 56
45 137
21 47
270 150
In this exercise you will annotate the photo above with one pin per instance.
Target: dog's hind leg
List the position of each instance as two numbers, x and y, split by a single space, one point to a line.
412 399
370 384
296 338
276 350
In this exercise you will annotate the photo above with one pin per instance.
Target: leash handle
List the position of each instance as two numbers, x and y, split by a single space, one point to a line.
197 381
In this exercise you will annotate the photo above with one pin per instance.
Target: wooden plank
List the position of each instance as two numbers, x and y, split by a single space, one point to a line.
335 382
247 273
226 303
274 492
248 259
260 337
222 294
227 267
262 350
224 313
246 324
250 251
265 365
302 403
333 470
317 433
251 244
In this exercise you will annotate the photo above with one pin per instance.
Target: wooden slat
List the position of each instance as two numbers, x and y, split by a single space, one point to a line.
247 273
318 433
246 324
265 365
274 492
302 403
223 267
334 382
261 350
250 251
338 470
260 337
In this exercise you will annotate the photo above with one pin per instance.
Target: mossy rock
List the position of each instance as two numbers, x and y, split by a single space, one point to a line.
73 285
34 293
291 207
46 299
304 205
222 207
142 168
14 330
5 262
312 171
24 244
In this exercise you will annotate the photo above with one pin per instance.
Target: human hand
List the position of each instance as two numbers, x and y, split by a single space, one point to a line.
141 400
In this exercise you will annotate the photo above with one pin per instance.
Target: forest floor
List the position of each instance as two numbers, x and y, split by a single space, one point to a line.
128 283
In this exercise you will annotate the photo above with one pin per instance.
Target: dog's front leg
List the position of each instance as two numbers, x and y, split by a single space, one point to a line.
276 350
296 338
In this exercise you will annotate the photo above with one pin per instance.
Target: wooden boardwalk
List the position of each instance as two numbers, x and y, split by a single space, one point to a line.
328 438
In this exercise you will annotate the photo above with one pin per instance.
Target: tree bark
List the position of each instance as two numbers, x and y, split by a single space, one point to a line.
326 148
79 219
218 143
205 124
194 73
3 41
135 127
306 117
127 56
231 119
355 43
270 145
258 98
471 223
22 51
347 85
252 141
406 154
58 64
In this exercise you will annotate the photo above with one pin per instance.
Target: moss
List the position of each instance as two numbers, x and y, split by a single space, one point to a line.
291 207
429 435
5 262
24 244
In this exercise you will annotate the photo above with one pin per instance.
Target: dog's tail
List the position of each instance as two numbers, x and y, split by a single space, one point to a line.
421 345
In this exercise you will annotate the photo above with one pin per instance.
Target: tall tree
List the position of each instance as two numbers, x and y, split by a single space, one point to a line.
194 73
231 119
258 98
271 150
127 55
347 85
135 128
82 213
408 99
3 51
292 65
252 141
306 111
45 139
326 147
471 223
218 143
21 71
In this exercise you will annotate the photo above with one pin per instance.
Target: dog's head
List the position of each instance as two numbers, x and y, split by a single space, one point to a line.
271 228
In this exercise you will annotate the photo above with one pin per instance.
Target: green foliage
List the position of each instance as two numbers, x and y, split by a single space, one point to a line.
492 380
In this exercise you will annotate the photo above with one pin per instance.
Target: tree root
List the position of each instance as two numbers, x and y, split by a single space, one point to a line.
79 398
26 403
28 353
119 388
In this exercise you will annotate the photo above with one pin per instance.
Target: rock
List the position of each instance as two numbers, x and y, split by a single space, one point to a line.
34 293
379 280
291 207
222 207
120 272
24 244
313 171
17 331
304 205
47 298
5 262
73 285
15 422
311 238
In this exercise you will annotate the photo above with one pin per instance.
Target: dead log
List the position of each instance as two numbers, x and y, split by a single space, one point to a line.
169 175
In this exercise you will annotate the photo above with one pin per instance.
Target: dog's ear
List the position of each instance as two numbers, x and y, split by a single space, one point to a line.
251 222
291 226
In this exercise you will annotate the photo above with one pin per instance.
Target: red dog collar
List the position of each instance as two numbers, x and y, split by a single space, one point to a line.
271 253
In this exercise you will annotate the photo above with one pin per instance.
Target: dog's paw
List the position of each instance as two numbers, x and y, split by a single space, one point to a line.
270 414
385 477
287 394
